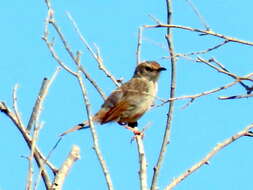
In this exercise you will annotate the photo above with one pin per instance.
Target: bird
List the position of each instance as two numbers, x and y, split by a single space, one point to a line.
128 103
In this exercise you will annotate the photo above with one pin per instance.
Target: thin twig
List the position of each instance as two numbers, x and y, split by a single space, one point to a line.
139 43
73 156
156 20
166 138
94 135
214 151
15 104
30 158
221 70
247 88
102 67
195 96
96 56
204 51
235 97
49 44
51 20
48 3
142 163
71 54
208 32
197 12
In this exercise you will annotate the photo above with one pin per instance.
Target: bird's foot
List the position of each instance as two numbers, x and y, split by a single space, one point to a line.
136 132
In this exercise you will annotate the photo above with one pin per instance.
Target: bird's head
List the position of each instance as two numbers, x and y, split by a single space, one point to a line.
149 70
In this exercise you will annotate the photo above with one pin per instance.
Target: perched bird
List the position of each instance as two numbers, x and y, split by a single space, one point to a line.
131 100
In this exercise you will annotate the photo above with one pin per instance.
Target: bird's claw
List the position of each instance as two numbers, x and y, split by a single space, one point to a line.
136 132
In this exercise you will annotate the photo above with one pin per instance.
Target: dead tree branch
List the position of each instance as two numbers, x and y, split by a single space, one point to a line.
142 163
37 154
94 135
213 152
166 138
73 156
207 32
139 43
96 56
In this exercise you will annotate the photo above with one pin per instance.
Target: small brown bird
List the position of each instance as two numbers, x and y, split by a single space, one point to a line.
131 100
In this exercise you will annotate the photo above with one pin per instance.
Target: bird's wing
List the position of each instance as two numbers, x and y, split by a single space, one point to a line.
113 99
113 113
115 104
120 100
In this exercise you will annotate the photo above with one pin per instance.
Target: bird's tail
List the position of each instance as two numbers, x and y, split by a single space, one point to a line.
83 125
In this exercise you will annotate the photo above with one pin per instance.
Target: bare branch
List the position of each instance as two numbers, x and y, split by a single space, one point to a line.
157 21
221 70
96 56
71 54
45 161
225 71
48 3
15 104
40 99
166 138
206 92
94 135
49 44
31 141
30 158
73 156
235 97
102 67
50 20
208 32
204 51
78 76
37 155
197 12
142 163
205 160
138 50
38 105
195 96
247 88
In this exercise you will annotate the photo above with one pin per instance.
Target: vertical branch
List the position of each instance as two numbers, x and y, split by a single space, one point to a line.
54 170
40 99
143 163
94 134
15 104
30 158
73 156
167 132
138 50
38 105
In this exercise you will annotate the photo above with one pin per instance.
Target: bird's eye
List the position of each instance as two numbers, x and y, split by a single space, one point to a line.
148 69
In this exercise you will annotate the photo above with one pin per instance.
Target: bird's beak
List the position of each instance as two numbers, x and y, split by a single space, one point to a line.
162 69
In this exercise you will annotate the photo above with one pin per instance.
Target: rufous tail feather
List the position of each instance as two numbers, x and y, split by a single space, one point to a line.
84 125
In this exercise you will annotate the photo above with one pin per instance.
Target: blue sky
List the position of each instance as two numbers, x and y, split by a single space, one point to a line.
112 25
